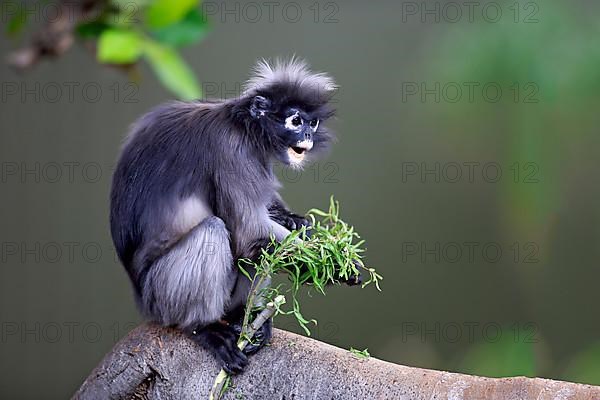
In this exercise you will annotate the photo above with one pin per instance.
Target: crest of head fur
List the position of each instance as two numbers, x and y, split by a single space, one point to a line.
293 72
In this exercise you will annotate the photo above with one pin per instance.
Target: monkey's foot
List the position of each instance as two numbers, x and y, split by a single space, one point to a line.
221 341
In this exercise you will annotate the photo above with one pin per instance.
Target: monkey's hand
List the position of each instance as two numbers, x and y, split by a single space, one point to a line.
289 220
261 337
284 217
294 222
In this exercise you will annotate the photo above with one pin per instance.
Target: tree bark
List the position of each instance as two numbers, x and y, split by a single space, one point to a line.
160 363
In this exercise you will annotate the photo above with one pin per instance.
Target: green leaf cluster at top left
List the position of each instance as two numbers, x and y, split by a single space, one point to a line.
127 31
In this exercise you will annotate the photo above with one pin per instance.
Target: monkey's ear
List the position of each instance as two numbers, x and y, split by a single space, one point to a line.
260 105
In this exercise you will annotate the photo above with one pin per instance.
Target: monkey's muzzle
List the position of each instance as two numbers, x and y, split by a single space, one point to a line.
298 152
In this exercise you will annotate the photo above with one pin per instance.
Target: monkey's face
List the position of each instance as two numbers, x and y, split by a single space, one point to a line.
294 133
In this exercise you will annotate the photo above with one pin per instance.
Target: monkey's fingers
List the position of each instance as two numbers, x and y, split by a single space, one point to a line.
221 340
230 356
233 360
261 338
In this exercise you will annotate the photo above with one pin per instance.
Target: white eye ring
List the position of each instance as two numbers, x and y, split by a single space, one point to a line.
316 124
290 122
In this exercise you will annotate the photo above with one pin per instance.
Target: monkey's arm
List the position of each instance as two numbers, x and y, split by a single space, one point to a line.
279 213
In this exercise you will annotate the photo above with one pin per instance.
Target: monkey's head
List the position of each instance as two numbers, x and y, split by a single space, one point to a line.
289 104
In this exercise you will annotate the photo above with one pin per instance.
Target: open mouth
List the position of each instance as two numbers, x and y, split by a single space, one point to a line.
298 152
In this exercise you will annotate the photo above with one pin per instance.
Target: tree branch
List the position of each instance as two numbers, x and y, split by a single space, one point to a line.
157 363
56 36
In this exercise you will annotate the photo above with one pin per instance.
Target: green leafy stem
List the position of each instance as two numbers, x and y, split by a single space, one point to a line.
331 254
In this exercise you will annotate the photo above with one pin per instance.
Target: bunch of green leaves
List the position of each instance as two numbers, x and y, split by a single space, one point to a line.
331 254
127 31
152 29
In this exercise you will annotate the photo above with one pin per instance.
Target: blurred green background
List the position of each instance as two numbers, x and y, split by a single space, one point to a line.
467 159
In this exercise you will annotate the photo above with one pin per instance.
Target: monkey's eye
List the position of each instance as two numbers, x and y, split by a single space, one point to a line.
314 123
296 121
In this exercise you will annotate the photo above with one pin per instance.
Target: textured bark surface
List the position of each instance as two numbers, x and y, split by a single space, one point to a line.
159 363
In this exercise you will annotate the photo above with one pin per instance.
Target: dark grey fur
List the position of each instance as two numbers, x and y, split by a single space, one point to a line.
194 191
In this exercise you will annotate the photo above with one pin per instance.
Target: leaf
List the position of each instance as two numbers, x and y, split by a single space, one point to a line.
361 354
172 70
189 30
91 29
17 22
161 13
243 271
318 212
119 46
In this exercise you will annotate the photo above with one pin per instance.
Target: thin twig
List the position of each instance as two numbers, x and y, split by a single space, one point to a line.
217 390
